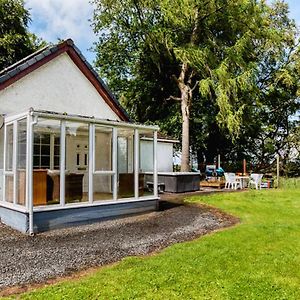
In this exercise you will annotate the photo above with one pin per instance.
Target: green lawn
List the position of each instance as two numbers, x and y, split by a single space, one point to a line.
257 259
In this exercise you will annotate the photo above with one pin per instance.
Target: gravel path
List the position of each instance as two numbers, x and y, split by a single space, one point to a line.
25 259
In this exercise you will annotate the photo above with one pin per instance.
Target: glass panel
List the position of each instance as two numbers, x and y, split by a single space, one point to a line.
102 187
125 163
45 139
1 184
21 161
9 188
46 174
56 162
146 163
36 139
77 180
45 149
1 146
41 148
103 148
1 161
56 149
56 140
36 162
9 147
36 147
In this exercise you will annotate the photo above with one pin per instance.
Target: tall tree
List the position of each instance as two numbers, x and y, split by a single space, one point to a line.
15 40
210 51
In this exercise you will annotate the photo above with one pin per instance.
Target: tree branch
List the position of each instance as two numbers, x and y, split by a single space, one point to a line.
195 85
173 98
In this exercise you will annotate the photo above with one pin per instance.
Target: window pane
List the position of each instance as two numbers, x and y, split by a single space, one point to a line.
45 149
45 161
146 164
56 149
36 139
102 187
9 188
21 161
125 163
103 148
36 149
9 147
56 162
45 139
1 184
1 161
36 162
76 180
57 140
46 174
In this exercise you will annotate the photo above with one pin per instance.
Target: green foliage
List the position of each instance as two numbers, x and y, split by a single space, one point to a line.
243 54
15 41
257 259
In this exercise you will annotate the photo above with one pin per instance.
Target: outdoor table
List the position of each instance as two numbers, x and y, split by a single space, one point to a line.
243 181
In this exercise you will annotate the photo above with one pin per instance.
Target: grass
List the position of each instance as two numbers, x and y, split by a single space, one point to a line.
257 259
289 183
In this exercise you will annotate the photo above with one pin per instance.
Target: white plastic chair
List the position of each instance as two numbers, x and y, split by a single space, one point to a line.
227 181
231 182
255 179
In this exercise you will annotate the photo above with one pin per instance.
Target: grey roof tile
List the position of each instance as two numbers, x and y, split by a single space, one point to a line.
47 52
4 77
39 56
23 66
31 61
14 72
53 48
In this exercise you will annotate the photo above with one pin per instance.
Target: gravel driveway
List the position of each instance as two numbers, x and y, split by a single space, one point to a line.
25 259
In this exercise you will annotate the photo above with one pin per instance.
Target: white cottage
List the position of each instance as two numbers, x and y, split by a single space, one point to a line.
68 152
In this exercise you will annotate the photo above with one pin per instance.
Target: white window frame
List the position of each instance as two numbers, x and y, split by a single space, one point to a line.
14 121
92 162
32 117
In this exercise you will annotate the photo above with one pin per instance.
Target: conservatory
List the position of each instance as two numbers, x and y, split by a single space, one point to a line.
60 169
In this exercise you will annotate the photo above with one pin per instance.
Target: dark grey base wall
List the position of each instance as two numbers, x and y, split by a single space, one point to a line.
54 219
15 219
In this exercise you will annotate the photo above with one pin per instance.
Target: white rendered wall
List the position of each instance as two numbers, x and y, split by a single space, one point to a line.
164 156
57 86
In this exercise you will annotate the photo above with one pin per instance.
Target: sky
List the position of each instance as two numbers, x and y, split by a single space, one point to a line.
62 19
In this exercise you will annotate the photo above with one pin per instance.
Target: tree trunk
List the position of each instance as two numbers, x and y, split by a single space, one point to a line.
184 82
185 139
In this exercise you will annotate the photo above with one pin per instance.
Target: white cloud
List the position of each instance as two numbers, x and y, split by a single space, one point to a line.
53 19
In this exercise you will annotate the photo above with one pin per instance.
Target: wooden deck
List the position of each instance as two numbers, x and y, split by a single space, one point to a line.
213 184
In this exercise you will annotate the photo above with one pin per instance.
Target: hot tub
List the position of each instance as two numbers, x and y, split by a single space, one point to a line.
178 182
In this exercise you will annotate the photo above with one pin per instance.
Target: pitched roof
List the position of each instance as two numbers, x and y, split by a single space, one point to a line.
30 63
